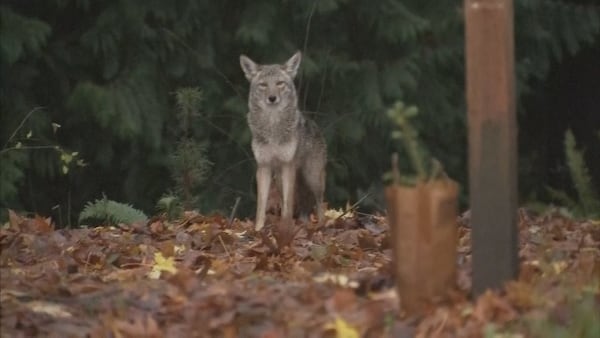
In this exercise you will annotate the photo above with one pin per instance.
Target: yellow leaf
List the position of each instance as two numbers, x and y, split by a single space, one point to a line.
66 158
559 266
154 274
466 311
162 264
179 249
341 280
337 213
65 169
342 329
29 134
332 213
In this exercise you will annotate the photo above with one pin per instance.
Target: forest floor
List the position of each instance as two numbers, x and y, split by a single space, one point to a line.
204 276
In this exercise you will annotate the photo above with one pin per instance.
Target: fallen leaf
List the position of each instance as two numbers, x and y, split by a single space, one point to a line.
142 326
51 309
162 264
342 329
336 279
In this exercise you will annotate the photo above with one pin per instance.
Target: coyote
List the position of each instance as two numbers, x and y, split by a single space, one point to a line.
283 139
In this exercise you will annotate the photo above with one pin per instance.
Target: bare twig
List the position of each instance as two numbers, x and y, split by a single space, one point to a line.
322 87
440 328
134 265
267 241
87 262
233 211
221 74
20 126
57 207
306 34
225 133
225 171
353 206
305 90
5 150
395 168
305 46
365 214
224 247
337 119
184 44
69 225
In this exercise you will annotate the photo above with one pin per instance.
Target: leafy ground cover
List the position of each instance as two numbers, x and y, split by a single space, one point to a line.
207 276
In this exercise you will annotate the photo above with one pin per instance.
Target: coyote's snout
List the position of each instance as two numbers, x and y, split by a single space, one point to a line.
284 141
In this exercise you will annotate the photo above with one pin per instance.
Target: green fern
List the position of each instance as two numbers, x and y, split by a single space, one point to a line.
588 198
188 101
189 163
105 211
20 34
563 199
583 320
401 115
170 205
11 174
11 177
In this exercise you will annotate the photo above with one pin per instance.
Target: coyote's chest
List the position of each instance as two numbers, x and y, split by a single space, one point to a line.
273 153
274 135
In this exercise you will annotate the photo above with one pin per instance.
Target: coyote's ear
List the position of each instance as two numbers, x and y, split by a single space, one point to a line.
249 67
291 66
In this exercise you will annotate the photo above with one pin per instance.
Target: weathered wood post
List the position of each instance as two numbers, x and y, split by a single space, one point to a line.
492 141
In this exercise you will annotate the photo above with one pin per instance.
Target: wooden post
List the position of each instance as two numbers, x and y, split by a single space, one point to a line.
492 141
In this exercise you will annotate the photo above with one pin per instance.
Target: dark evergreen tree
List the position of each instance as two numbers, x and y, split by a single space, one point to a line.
106 71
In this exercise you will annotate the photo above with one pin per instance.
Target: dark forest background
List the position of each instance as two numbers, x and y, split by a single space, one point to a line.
95 83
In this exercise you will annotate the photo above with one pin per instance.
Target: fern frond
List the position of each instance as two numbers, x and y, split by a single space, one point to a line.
105 211
171 206
188 101
20 34
190 168
563 199
581 176
11 174
397 23
256 24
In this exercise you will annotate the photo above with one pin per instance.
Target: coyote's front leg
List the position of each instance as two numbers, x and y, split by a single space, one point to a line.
288 180
263 183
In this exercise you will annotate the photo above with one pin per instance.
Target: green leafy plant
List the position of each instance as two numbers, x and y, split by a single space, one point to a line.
14 157
108 212
170 206
190 165
587 203
424 167
20 35
582 319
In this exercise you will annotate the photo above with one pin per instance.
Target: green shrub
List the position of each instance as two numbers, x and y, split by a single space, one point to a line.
108 212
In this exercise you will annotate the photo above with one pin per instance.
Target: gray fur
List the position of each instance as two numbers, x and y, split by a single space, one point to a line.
284 141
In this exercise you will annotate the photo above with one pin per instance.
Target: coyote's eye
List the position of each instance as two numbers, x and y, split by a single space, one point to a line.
280 84
262 85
